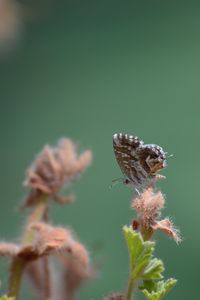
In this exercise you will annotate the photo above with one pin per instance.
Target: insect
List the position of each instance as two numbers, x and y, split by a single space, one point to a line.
139 162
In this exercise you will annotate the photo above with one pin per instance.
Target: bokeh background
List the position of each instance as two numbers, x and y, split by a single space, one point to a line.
88 69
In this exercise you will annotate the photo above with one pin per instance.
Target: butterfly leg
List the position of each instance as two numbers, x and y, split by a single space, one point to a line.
137 191
160 177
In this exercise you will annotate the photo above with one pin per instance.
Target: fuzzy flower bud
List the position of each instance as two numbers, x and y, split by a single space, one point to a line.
148 206
53 168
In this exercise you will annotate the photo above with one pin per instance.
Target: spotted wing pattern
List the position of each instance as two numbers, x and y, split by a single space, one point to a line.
138 162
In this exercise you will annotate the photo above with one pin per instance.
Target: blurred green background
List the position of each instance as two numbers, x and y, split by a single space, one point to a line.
88 69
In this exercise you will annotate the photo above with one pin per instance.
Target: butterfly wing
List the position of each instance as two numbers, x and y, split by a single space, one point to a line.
125 149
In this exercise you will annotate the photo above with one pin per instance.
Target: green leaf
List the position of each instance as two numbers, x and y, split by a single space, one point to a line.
155 290
140 252
144 266
153 270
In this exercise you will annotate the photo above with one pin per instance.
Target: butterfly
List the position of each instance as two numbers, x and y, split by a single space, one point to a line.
139 162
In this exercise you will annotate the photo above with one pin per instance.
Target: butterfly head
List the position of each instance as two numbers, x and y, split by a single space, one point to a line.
156 160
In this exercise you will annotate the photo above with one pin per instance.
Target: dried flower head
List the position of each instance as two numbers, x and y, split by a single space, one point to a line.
148 206
53 168
50 239
47 240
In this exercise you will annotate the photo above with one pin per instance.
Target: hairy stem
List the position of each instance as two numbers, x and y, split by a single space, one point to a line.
131 289
147 233
18 264
16 271
36 216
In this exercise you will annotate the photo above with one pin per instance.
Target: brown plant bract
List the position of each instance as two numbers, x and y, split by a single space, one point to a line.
37 275
148 206
48 240
72 254
8 249
53 168
167 227
76 270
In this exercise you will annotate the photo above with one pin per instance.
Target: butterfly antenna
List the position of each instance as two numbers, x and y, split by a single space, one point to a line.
168 155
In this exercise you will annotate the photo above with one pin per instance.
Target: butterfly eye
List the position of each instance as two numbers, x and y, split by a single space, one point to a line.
126 181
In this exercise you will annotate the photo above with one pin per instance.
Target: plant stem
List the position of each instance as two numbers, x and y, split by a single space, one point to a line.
16 271
36 216
147 234
18 264
130 291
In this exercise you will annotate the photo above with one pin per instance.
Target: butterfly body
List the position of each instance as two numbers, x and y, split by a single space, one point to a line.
139 162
